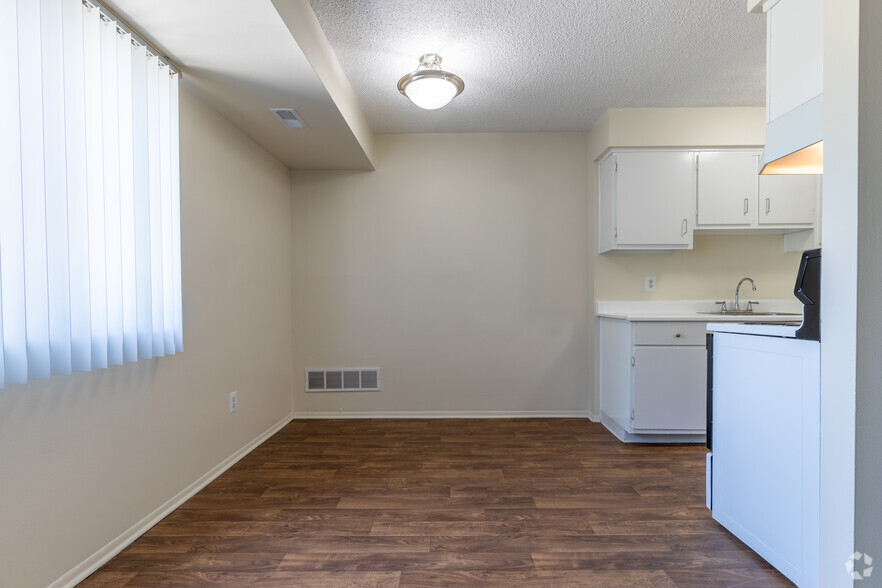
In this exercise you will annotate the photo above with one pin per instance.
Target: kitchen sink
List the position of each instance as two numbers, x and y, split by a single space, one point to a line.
750 313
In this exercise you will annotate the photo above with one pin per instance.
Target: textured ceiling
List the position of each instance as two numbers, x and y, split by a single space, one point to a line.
531 65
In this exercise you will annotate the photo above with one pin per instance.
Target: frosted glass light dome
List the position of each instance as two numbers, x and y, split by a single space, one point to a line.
430 93
430 87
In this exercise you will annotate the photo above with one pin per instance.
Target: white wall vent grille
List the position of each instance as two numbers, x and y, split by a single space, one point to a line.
343 380
290 118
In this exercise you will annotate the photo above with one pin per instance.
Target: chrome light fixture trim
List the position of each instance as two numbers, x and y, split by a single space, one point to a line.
430 95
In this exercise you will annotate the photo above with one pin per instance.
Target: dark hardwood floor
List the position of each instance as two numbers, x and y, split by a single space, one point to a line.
521 502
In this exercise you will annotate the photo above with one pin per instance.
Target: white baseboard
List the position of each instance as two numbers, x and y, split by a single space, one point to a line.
670 437
103 555
431 414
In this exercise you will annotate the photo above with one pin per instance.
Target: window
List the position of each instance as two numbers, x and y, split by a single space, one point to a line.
90 248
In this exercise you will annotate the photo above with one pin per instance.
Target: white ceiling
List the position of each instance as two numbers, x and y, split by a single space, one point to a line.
528 65
242 59
533 65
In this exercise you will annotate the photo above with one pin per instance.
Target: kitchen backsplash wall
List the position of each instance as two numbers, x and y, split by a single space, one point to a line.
710 270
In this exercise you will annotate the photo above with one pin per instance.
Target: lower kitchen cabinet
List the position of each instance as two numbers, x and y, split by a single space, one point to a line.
653 380
669 388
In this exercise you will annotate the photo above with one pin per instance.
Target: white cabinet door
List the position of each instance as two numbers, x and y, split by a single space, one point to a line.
606 210
670 388
655 199
795 60
615 372
726 188
788 200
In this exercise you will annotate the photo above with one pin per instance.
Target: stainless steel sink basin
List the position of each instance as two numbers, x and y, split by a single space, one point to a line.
750 313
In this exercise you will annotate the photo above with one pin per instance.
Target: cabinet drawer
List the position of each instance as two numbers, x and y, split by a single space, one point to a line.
660 333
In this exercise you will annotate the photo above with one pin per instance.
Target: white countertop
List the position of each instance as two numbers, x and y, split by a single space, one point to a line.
691 310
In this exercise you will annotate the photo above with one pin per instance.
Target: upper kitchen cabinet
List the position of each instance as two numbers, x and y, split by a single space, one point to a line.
788 202
795 54
794 85
726 187
731 196
646 200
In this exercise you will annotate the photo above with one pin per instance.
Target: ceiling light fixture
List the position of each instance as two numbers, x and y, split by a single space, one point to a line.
429 86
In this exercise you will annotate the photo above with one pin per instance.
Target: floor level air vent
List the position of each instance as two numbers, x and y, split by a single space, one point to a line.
343 380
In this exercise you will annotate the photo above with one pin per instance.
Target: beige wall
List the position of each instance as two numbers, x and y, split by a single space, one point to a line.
83 458
465 266
686 127
460 267
710 270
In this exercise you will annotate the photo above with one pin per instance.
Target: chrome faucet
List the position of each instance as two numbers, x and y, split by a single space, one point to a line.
737 290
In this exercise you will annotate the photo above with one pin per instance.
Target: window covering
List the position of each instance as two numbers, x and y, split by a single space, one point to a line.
90 246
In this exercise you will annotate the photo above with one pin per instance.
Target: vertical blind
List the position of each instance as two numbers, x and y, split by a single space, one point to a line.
90 247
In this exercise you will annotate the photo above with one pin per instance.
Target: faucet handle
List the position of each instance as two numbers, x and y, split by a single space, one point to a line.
750 304
723 307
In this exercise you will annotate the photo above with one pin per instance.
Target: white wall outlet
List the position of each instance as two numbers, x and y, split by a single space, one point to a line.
650 283
234 401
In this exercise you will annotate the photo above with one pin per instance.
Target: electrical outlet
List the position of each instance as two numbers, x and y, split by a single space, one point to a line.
234 401
650 283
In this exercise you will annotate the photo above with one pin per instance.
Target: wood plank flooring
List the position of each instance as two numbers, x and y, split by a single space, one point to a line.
520 502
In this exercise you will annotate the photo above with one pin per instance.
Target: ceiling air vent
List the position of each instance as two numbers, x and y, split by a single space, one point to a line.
289 118
343 380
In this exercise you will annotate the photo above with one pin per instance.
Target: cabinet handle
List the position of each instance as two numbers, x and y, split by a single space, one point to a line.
746 205
678 335
768 205
684 227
